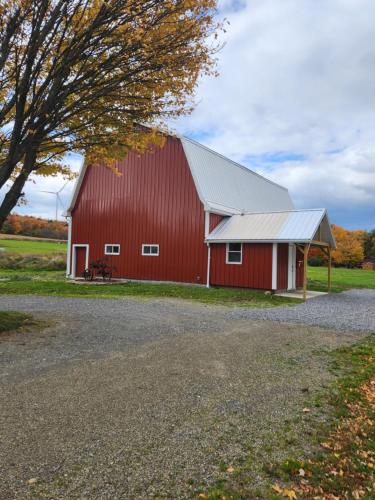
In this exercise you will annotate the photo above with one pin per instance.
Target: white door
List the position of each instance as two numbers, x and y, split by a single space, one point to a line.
292 267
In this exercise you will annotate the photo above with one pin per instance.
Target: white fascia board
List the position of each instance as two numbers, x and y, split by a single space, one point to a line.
77 186
241 240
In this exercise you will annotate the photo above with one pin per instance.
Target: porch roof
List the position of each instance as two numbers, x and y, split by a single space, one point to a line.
297 226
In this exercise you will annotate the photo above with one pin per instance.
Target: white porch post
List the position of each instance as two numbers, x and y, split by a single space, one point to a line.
274 266
208 266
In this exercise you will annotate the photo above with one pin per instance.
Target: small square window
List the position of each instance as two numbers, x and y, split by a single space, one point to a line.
150 250
234 253
111 249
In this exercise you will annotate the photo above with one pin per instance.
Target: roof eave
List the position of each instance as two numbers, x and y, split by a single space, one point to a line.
77 187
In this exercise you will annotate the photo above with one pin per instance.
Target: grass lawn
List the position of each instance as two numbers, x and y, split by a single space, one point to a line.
11 320
342 278
54 283
343 439
32 247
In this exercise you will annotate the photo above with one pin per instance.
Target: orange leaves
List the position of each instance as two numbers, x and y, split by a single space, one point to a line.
349 246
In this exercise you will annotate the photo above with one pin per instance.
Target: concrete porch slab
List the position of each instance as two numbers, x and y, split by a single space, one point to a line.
298 294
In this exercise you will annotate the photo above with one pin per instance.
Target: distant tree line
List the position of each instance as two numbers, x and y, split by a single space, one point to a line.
352 248
26 225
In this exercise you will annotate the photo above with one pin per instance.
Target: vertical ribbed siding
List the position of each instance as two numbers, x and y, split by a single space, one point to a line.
282 266
254 272
215 219
153 201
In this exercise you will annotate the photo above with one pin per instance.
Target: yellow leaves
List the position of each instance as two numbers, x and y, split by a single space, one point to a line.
357 494
291 494
285 492
277 489
327 446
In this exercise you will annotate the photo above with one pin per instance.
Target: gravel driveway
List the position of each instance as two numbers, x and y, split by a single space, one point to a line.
351 310
143 399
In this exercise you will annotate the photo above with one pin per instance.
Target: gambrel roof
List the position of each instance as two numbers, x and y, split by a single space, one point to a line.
226 186
223 185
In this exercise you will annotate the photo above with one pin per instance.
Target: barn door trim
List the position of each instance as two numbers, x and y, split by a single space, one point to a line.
74 260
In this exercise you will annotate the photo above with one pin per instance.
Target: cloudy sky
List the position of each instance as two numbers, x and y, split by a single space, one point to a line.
295 101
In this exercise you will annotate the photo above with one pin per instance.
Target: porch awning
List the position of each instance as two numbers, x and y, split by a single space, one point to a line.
294 226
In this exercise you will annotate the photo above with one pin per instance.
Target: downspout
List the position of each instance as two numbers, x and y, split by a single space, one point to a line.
208 265
69 249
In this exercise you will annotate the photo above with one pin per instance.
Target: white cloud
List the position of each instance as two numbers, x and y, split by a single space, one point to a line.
297 78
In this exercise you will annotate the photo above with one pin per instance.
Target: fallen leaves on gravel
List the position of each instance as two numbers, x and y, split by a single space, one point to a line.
285 492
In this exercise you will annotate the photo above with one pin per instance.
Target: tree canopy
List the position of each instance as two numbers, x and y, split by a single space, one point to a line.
87 75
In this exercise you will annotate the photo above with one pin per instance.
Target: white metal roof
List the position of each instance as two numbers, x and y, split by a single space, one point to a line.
288 226
224 185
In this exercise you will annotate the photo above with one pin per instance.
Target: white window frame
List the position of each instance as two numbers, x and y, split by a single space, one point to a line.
230 251
150 245
106 252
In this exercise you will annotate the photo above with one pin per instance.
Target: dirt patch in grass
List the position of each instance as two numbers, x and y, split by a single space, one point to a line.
13 321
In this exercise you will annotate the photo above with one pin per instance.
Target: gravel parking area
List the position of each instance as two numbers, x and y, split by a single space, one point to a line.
144 399
352 310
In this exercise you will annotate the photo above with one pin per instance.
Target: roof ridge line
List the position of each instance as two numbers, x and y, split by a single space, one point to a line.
283 211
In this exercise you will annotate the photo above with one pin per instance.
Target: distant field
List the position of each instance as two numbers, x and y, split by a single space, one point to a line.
342 278
32 247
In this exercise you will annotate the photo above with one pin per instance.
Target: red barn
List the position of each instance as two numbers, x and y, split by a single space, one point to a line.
184 213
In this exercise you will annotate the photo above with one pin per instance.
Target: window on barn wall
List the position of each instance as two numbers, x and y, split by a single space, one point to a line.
234 253
150 250
111 249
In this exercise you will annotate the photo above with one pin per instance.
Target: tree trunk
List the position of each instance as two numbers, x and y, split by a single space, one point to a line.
15 192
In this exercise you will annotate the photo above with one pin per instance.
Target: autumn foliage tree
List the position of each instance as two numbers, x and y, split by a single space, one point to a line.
350 250
79 75
350 246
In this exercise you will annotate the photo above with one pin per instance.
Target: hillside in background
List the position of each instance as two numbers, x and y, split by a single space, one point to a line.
26 225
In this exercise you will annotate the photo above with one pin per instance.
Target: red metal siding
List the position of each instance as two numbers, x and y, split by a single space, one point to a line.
282 266
154 201
254 272
299 268
215 219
